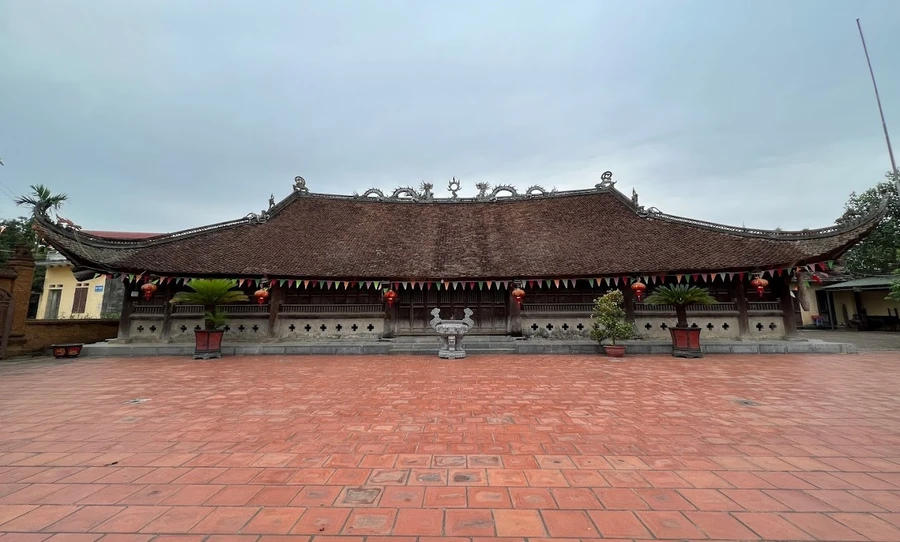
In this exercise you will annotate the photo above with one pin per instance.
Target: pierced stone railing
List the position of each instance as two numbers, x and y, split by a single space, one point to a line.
329 309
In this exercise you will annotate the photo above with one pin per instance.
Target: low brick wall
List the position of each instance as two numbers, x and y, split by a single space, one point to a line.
40 334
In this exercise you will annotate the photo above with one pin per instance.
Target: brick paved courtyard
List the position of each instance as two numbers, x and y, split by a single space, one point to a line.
351 448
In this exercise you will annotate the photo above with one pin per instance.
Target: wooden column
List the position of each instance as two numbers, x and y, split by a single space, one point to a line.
781 287
166 332
125 317
277 296
739 294
628 294
514 313
390 313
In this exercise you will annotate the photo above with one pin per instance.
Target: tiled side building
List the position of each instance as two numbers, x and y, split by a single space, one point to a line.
326 261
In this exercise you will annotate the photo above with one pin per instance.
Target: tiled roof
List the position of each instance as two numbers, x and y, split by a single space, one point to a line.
867 283
122 234
576 234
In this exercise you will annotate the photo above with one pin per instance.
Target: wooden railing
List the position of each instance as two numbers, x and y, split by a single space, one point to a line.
717 307
243 310
764 306
148 309
330 309
558 307
188 309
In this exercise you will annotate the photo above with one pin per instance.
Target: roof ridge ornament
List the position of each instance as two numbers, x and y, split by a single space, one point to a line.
453 187
606 181
300 185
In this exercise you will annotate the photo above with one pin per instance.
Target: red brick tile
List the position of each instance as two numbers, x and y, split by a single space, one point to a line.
228 519
111 494
720 526
24 537
37 519
349 477
74 537
507 477
220 476
887 500
127 538
274 520
584 478
85 519
784 480
131 520
771 526
468 523
178 519
711 500
445 497
869 526
664 479
545 478
70 494
273 476
30 494
754 500
402 497
568 523
799 501
618 524
744 480
703 480
383 461
843 501
425 522
188 495
311 496
274 496
572 498
321 521
525 523
822 527
664 499
9 512
488 497
620 499
670 525
233 496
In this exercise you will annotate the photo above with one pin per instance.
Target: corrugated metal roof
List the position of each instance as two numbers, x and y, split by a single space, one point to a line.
883 281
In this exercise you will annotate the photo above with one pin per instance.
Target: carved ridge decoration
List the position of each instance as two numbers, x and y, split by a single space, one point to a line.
425 195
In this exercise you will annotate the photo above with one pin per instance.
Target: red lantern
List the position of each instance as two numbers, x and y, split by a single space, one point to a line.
148 290
518 294
261 296
760 284
817 279
390 296
638 289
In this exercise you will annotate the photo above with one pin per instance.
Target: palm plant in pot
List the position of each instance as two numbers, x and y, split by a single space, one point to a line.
210 293
685 340
608 323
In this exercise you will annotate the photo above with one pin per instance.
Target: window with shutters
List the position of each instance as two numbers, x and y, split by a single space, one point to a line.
80 302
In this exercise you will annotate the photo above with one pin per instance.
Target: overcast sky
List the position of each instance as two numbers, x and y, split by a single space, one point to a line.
166 114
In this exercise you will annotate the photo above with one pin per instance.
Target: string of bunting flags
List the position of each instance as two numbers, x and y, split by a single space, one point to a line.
707 278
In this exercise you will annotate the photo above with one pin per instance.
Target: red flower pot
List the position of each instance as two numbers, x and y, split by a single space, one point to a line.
614 350
66 350
686 342
208 343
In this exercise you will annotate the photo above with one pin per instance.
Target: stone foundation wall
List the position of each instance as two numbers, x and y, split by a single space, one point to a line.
767 326
557 326
713 326
316 329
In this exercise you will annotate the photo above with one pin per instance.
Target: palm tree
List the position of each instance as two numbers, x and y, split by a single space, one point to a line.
209 293
41 198
680 295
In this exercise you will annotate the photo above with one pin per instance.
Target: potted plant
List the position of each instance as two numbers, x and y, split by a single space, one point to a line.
609 323
210 293
685 340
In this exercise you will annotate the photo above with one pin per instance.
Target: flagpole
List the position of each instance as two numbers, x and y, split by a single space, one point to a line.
887 137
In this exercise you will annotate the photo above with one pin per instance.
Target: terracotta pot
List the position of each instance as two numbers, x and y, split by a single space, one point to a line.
614 350
208 343
66 350
686 342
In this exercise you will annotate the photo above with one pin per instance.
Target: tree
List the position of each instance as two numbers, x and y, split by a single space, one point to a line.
879 253
680 295
41 197
609 319
210 293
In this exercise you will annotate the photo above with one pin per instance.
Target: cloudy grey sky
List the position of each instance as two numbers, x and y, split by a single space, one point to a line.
162 115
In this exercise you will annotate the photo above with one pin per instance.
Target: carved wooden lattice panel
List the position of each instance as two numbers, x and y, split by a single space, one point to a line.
414 309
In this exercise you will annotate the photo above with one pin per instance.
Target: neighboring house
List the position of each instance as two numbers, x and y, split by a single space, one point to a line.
65 297
862 303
